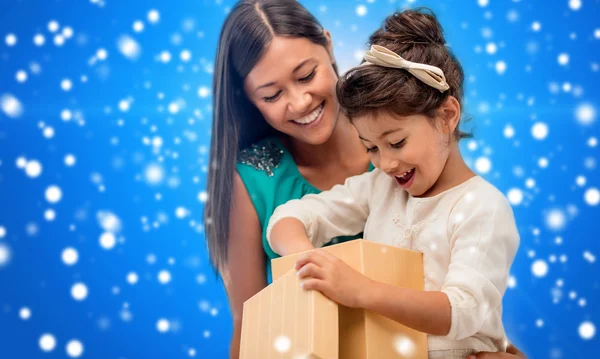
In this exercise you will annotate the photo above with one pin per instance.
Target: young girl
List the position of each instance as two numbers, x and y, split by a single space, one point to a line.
405 103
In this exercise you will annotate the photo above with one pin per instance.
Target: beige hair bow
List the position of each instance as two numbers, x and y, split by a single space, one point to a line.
430 75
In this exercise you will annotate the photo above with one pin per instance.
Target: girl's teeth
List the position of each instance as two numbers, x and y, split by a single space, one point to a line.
406 173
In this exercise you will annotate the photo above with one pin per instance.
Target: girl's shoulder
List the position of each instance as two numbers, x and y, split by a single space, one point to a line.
480 195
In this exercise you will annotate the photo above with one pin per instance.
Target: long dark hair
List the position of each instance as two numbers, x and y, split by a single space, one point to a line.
237 123
417 36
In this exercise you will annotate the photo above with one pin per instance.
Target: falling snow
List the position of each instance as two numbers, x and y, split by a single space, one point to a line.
70 256
47 342
25 313
74 348
79 291
104 152
11 106
129 47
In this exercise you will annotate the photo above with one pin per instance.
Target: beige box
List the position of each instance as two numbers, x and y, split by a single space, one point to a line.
360 334
286 321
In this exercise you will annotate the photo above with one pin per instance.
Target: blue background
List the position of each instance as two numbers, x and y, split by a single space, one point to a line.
143 166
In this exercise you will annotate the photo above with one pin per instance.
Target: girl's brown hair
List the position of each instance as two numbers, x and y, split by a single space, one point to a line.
417 36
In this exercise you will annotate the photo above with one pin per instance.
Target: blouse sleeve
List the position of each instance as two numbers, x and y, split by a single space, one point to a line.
484 241
341 211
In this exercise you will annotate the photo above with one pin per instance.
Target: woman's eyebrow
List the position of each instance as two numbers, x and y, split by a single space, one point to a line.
304 62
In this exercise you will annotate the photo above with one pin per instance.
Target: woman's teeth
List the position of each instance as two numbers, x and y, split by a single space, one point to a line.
310 117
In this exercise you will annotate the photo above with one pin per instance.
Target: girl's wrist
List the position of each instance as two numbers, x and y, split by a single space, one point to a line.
365 296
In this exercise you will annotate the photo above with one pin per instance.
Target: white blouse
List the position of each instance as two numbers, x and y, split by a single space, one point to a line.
467 235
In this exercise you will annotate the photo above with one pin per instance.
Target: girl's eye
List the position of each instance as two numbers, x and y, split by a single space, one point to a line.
309 77
272 98
371 149
399 144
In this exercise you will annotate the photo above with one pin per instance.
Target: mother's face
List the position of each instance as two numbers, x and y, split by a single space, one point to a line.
293 86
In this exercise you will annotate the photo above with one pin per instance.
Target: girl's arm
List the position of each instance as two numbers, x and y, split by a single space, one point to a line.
427 312
288 236
310 222
484 242
245 274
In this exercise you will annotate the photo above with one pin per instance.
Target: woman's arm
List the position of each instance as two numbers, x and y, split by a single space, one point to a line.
512 349
245 273
511 353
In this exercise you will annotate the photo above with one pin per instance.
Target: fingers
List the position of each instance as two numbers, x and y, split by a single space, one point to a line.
313 284
325 254
311 270
315 256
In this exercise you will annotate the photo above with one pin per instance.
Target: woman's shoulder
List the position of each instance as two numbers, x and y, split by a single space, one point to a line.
269 173
270 176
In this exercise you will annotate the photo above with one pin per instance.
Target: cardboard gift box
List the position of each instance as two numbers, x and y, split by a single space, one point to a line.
285 321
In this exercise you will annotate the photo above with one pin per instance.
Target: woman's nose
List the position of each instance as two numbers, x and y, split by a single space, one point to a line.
299 103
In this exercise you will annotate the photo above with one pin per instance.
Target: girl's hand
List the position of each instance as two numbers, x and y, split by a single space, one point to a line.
329 275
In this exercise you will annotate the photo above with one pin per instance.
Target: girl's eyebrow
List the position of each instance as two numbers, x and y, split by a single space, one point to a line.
384 134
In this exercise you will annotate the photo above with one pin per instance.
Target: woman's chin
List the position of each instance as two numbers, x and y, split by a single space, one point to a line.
316 136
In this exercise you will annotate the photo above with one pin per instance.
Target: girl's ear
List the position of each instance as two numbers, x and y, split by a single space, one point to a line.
450 113
329 46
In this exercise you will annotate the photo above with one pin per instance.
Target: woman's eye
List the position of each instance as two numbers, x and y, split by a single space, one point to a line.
371 149
272 98
309 77
399 144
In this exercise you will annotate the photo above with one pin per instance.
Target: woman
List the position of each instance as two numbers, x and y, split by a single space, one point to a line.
277 135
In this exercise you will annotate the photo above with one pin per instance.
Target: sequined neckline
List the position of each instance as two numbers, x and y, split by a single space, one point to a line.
267 156
264 156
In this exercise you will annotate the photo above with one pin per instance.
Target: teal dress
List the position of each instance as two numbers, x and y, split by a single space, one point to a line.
272 178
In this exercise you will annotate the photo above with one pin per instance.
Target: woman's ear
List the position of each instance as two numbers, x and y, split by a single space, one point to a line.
329 46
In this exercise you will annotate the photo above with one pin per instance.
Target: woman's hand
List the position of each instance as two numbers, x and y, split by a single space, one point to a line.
322 271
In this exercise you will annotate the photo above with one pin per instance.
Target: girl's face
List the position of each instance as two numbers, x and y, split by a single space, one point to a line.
293 86
410 149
